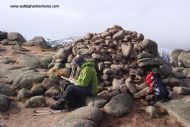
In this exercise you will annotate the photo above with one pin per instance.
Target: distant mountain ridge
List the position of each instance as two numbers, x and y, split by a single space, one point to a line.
56 42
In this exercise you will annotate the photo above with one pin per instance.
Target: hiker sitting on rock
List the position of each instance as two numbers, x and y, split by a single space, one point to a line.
84 85
157 87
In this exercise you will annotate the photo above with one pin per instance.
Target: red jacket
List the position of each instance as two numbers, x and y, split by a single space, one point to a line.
149 81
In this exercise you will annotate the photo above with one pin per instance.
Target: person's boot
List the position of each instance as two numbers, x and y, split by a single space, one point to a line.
60 105
56 98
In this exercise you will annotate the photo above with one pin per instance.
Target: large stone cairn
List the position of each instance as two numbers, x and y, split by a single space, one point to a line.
117 53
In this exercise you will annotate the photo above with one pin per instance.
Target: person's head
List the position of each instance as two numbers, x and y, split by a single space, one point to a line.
78 61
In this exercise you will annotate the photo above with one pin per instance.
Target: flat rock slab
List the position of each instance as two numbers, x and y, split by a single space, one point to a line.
178 108
87 116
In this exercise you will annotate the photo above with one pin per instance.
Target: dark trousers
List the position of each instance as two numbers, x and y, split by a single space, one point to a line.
76 94
76 91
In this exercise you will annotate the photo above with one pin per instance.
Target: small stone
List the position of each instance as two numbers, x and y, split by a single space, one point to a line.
59 61
142 93
116 84
110 71
123 88
119 35
117 67
151 110
98 57
141 86
172 82
96 101
68 65
104 94
182 90
105 77
101 66
144 55
126 49
149 97
140 36
58 65
144 102
69 59
130 86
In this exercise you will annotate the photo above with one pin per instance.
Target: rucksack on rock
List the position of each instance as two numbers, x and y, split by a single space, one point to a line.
156 86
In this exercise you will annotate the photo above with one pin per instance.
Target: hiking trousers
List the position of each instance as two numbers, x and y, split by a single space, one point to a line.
75 92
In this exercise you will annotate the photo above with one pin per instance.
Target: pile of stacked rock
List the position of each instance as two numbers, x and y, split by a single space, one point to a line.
118 54
180 61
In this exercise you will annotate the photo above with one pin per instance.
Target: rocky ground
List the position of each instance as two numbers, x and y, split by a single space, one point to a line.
30 75
19 116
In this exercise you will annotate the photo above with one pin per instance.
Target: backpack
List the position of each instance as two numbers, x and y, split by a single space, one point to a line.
156 85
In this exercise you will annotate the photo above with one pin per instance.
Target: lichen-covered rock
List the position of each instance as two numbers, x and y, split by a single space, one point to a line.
26 79
86 117
178 73
174 55
11 74
14 36
24 94
37 90
6 90
119 105
45 61
3 35
34 61
38 41
150 46
36 101
184 59
4 103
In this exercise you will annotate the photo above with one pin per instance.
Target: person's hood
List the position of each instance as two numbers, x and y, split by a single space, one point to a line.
87 63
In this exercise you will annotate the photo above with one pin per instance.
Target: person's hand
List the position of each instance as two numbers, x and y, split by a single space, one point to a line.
71 78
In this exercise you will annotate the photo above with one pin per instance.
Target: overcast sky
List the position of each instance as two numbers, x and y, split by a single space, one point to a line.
165 21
